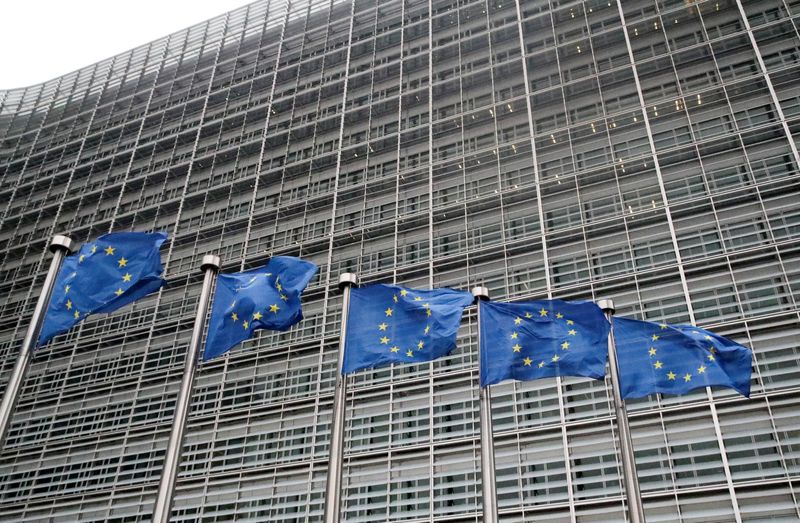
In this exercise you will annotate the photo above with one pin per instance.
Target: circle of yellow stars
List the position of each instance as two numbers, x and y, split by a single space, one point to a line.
122 264
543 313
383 327
272 310
658 365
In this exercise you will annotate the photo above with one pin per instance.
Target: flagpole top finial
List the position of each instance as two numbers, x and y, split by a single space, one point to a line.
607 305
347 279
210 261
480 293
59 242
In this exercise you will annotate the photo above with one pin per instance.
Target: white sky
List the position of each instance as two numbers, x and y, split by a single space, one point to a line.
43 39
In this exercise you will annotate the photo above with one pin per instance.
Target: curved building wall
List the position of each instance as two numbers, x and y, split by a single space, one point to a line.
644 151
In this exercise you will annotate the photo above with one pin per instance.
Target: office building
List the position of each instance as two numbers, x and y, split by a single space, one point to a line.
644 150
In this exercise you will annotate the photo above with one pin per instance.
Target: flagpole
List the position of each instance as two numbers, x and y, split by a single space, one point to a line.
333 489
60 246
488 485
166 486
630 479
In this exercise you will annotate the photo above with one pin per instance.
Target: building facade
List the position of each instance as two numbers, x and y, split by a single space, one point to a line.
644 150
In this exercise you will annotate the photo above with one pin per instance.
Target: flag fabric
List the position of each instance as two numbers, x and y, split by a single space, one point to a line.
264 298
539 339
675 359
115 270
391 324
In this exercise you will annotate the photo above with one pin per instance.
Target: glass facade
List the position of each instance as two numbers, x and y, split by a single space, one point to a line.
644 150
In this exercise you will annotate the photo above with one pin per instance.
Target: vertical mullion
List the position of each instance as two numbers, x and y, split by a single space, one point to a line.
545 259
681 271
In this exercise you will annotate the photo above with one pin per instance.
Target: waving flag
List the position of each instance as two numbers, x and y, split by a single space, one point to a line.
115 270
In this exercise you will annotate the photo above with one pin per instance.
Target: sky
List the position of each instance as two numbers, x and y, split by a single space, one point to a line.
43 39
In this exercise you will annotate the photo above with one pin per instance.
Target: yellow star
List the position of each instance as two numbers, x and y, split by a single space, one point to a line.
278 286
420 344
658 364
77 314
559 315
382 326
687 377
274 308
385 340
69 305
66 289
542 312
517 347
94 249
245 324
517 320
127 277
284 297
394 298
710 357
389 311
572 332
118 292
257 316
708 337
654 337
410 353
427 329
671 376
712 350
235 317
122 262
701 369
652 351
555 358
528 315
528 362
81 258
663 326
565 345
514 335
417 298
395 349
428 312
541 364
403 292
109 250
570 322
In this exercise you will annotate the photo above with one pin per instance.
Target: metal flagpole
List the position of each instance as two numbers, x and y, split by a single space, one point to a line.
166 486
333 489
487 435
60 246
630 479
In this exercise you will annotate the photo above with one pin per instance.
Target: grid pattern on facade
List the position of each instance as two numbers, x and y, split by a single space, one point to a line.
644 150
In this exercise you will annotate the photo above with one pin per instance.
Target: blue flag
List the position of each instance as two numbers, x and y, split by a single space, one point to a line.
675 359
115 270
390 324
539 339
263 298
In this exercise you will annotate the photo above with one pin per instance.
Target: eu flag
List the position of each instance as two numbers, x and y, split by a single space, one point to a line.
264 298
539 339
115 270
390 324
676 359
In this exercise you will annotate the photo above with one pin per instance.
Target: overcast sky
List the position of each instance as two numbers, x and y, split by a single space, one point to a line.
43 39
